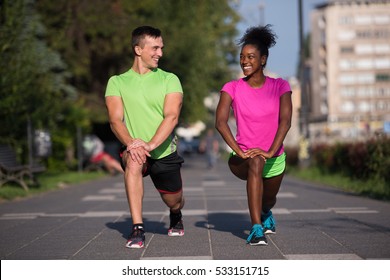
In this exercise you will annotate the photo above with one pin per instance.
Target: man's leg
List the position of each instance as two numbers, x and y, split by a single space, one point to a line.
175 203
134 187
135 192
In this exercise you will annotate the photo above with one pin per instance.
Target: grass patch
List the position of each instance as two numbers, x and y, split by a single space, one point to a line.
377 189
48 181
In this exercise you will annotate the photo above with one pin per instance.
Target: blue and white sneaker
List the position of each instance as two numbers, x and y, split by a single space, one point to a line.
268 222
256 236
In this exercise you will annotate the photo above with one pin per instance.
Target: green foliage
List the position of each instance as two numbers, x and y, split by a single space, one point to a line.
200 43
33 77
57 56
366 161
370 187
379 160
94 39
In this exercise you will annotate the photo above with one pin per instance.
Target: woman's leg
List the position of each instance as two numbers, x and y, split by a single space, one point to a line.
251 170
271 189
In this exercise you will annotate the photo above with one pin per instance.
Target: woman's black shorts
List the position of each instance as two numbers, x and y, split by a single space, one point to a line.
164 172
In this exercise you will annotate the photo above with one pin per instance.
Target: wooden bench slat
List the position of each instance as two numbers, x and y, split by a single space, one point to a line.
11 170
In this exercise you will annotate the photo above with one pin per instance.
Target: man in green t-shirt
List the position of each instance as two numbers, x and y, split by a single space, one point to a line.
143 106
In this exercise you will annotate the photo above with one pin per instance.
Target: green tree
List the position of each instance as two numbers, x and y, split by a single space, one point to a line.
200 38
33 77
93 37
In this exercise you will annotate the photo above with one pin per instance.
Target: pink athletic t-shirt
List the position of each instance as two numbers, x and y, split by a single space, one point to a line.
256 111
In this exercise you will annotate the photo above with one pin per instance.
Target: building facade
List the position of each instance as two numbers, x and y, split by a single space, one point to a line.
350 69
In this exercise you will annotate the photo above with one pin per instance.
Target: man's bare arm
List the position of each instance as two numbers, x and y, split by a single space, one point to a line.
172 107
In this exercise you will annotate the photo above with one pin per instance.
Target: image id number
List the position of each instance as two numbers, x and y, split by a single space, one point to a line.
241 270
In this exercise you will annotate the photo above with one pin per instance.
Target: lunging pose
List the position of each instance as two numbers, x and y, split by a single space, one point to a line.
143 105
262 108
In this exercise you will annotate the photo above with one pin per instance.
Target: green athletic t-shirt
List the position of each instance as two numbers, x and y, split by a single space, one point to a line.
143 100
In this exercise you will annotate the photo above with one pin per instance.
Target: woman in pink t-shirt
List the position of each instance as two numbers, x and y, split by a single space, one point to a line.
262 108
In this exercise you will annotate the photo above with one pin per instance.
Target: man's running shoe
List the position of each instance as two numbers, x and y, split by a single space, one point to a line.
269 223
256 236
137 238
176 227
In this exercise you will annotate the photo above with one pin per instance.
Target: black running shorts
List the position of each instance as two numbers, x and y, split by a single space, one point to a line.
164 172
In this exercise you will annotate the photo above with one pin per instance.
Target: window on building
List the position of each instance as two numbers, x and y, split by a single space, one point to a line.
365 91
321 23
380 92
364 106
363 19
363 34
381 34
382 48
324 108
347 107
347 79
347 92
381 105
346 64
382 77
382 19
364 49
382 63
383 92
346 35
346 49
365 64
373 34
346 20
365 78
323 80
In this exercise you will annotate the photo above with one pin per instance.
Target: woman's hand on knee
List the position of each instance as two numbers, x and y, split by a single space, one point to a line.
251 153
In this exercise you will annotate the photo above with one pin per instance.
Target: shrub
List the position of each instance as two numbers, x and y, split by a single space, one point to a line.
368 160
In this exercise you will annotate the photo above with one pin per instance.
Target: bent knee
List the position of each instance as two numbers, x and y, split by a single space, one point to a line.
256 163
132 167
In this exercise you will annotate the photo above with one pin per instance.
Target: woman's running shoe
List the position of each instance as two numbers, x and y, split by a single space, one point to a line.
137 238
269 223
256 236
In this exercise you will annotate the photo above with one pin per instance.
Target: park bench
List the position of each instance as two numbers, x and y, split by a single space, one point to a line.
12 171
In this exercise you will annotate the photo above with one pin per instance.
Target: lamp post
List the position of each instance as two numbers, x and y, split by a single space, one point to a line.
303 114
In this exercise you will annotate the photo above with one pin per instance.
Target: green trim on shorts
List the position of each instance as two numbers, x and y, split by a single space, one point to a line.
273 166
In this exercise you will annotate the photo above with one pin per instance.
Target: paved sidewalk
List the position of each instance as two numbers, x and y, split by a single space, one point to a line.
91 221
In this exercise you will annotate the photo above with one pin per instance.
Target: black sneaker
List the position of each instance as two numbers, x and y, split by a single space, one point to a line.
137 238
176 227
256 236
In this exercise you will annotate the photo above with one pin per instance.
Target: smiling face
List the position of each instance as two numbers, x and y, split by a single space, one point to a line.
251 60
150 51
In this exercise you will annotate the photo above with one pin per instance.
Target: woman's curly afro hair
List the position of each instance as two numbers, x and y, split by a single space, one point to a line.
260 36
